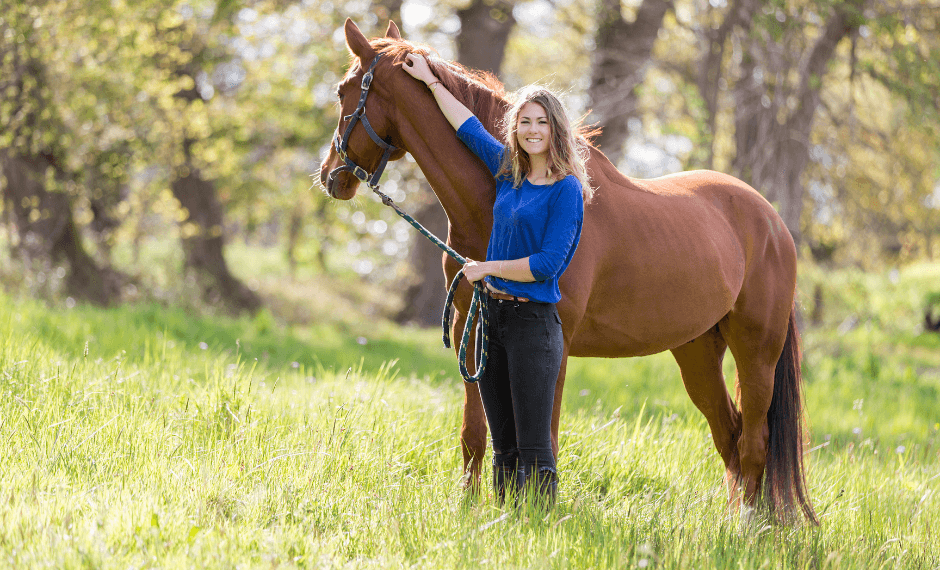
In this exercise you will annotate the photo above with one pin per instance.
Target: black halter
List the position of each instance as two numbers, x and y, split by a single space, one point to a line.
340 145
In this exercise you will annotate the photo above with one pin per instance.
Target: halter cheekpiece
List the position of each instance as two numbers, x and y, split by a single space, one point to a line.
341 144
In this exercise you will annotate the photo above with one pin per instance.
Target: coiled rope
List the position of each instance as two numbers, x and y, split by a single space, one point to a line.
478 305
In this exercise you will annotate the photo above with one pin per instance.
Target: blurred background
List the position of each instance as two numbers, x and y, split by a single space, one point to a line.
168 151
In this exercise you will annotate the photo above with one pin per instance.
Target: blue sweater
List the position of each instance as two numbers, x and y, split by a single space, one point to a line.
538 221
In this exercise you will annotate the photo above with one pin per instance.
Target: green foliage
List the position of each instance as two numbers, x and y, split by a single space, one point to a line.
115 87
932 299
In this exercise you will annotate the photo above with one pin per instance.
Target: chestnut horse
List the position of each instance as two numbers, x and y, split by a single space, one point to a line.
694 263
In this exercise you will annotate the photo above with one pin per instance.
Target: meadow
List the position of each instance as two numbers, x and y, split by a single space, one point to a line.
153 437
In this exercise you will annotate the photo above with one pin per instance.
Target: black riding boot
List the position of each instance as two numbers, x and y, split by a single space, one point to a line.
507 479
541 485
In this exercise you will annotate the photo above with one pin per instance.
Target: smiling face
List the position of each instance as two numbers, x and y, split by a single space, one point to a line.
533 130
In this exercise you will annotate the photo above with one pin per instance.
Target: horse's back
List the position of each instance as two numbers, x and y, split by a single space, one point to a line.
665 259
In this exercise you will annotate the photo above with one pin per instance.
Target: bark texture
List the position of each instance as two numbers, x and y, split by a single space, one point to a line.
622 52
774 119
32 173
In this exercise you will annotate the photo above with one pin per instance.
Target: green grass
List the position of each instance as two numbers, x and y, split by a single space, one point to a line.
149 437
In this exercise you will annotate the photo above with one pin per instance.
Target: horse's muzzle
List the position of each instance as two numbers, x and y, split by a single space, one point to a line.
340 185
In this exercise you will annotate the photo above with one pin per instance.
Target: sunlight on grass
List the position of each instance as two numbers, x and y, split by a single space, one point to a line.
142 436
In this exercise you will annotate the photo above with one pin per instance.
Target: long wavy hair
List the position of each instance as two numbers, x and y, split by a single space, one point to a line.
568 150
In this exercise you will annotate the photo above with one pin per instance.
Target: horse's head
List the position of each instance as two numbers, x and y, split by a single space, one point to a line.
363 142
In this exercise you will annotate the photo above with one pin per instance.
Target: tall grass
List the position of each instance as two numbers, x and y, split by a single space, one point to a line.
146 437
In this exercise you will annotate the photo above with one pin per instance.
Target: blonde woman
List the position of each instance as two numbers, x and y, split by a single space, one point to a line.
541 189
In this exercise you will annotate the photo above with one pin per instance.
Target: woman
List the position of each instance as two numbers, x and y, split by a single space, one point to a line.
541 188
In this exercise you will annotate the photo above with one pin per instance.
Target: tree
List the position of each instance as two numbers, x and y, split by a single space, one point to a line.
36 174
714 35
202 231
622 53
777 97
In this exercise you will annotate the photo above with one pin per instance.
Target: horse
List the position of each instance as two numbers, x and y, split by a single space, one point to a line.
695 263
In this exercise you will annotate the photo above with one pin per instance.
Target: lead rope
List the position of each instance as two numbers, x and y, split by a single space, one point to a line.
478 306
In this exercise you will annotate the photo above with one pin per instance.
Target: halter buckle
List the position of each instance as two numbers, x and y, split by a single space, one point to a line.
366 81
360 173
338 147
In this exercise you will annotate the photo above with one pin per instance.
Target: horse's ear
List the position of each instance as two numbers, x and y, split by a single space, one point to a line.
392 31
358 44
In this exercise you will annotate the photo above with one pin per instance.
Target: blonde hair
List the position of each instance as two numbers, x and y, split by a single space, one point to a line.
567 151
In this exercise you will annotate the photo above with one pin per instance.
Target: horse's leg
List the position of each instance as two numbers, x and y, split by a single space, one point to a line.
700 364
473 431
755 331
473 436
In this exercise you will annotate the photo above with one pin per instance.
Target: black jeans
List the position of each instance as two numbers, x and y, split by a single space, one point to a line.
518 386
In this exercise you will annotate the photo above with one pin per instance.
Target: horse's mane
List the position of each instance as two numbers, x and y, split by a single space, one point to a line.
480 91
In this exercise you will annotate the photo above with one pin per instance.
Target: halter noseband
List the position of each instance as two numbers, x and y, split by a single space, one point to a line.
341 144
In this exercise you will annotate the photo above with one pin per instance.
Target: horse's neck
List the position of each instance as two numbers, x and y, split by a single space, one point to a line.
461 182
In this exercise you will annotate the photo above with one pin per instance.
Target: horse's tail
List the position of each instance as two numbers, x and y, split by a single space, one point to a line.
785 477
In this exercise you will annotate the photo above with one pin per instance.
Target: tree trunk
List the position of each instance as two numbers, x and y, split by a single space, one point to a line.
714 40
773 123
481 44
46 232
485 26
203 241
425 295
201 231
622 51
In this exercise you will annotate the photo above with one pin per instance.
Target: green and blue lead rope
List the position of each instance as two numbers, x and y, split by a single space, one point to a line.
479 308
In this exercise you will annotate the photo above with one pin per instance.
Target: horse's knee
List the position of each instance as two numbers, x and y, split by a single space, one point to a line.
474 442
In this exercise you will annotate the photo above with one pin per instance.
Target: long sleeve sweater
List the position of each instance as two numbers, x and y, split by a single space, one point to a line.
538 221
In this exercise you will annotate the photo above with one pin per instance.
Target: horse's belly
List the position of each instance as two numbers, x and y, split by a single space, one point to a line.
655 311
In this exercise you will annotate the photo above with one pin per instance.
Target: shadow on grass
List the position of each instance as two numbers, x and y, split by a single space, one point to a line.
138 332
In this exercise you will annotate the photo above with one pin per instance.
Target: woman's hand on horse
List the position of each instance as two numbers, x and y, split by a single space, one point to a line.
417 66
